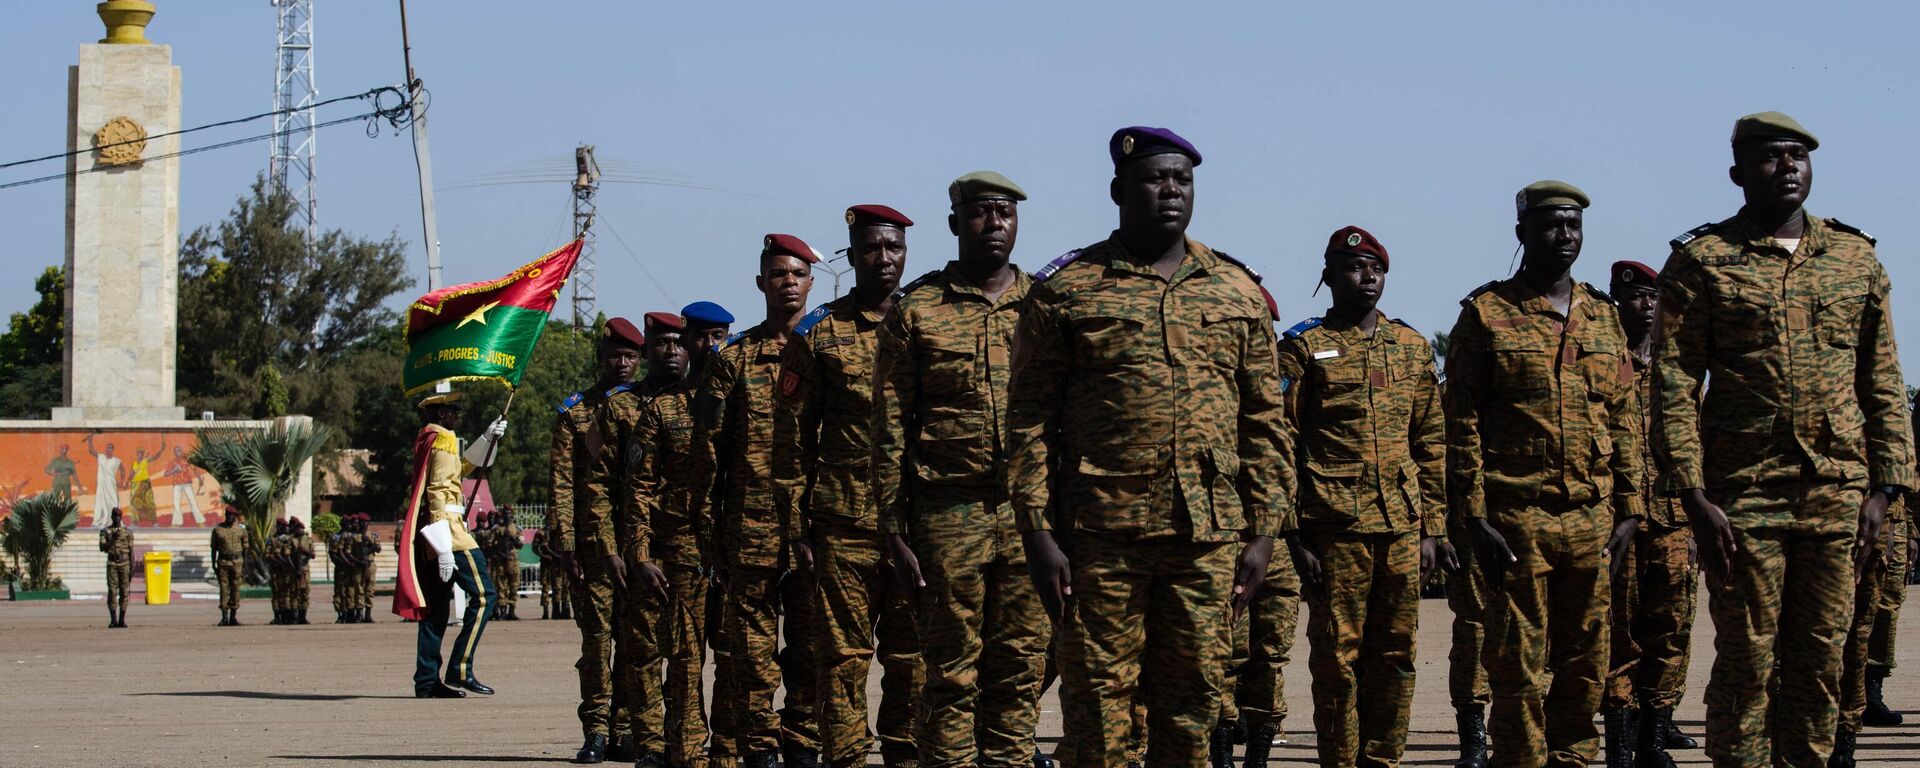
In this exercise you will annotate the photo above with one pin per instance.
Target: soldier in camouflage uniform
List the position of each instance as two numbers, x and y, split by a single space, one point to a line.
1466 676
277 552
550 579
585 544
822 452
299 578
1147 435
1364 400
505 558
941 375
1787 466
368 550
694 603
733 460
345 579
228 549
1870 582
1653 589
1902 547
1548 491
117 541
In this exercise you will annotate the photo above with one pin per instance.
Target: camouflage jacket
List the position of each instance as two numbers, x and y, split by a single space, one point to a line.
733 449
1148 408
1662 509
565 453
944 370
117 542
1369 436
623 478
1800 348
507 540
1540 405
229 542
824 413
681 532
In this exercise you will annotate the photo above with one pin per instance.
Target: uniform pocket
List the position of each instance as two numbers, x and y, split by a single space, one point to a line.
1742 318
1223 333
1410 489
1112 490
1513 465
948 367
952 447
1838 321
1521 364
1109 341
1223 487
1329 490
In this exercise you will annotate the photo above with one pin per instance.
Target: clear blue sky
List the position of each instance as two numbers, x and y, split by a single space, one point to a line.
1418 121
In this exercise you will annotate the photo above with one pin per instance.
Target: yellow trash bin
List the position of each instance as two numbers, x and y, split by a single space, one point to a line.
159 578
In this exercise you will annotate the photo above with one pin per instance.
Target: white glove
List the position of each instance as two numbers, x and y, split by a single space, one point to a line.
480 452
446 566
439 538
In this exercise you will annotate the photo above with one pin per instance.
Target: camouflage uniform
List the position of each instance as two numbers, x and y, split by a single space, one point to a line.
1371 464
681 533
1263 644
823 453
1159 403
1653 598
339 553
1867 590
299 578
229 547
504 556
624 479
117 542
278 572
1806 413
1893 593
733 459
943 370
1544 444
588 535
367 547
1467 601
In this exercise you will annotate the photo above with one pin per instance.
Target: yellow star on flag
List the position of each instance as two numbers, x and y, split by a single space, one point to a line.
478 315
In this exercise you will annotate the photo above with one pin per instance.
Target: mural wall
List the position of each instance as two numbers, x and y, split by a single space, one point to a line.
143 472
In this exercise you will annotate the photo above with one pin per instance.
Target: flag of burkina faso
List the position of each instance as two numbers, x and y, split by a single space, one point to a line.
484 330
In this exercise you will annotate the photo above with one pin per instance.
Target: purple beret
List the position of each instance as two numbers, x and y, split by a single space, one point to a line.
1140 141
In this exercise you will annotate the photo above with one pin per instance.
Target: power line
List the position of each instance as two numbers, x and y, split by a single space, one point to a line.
637 262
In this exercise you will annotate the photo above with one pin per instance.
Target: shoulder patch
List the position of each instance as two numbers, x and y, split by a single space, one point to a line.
1491 284
1693 234
1850 229
915 284
1600 294
733 339
1302 327
572 400
811 319
1056 265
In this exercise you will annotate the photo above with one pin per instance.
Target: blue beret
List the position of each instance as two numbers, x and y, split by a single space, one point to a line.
707 312
1135 142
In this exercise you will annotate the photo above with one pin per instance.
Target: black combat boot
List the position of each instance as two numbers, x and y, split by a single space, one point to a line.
1620 737
233 618
1877 714
796 756
1676 739
1651 748
1220 746
620 749
366 615
1040 759
302 618
1472 724
650 760
1842 756
593 751
1259 745
761 760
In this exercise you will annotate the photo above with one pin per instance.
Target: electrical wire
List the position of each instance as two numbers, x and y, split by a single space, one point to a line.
602 219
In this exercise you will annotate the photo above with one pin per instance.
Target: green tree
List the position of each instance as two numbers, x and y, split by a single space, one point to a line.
562 364
257 470
31 351
37 527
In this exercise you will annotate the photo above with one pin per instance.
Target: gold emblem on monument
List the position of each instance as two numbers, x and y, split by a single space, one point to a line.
119 142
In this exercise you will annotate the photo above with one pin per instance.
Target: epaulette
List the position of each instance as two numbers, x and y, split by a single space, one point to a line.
733 338
1056 265
1491 284
1403 324
1693 234
914 285
619 388
1850 229
1238 263
1302 327
811 319
572 400
1273 307
1600 294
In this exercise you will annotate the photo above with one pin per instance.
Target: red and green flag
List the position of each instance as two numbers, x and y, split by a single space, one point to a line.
484 330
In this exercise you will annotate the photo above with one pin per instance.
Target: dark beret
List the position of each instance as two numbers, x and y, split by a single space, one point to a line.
789 245
876 216
706 313
1633 273
621 333
663 322
984 185
1135 142
1548 194
1772 125
1357 241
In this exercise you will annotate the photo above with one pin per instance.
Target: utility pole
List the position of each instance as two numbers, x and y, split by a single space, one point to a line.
422 160
290 164
586 181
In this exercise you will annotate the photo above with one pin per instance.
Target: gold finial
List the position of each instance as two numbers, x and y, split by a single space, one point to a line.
126 21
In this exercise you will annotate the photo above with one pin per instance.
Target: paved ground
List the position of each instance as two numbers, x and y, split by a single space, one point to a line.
176 691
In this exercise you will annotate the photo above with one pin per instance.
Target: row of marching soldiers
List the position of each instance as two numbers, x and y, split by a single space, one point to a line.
892 475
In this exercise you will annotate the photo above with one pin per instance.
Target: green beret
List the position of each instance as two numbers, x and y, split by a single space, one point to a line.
1772 125
1548 194
983 185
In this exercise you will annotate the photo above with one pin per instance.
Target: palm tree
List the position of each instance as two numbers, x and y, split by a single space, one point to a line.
38 526
257 471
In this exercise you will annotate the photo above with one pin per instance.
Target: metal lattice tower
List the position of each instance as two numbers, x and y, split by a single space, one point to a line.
586 181
290 167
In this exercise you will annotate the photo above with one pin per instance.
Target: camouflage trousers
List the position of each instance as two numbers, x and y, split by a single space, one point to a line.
506 578
1781 618
1652 618
1360 631
1262 645
119 577
1546 642
1137 718
554 591
228 573
346 580
277 589
299 588
983 637
1886 610
861 608
1466 598
759 608
365 591
685 629
619 690
1159 605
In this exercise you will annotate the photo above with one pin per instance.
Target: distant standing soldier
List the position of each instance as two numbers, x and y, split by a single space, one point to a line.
1788 465
1364 400
683 532
733 456
1466 675
117 541
823 448
229 548
279 550
506 561
1653 589
552 578
299 580
1902 550
942 373
340 557
1544 464
1146 433
369 551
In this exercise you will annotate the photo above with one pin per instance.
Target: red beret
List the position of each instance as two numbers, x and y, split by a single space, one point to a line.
664 322
1634 273
1357 241
620 331
790 246
876 216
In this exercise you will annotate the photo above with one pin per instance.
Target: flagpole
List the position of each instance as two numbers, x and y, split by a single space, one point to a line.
492 447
